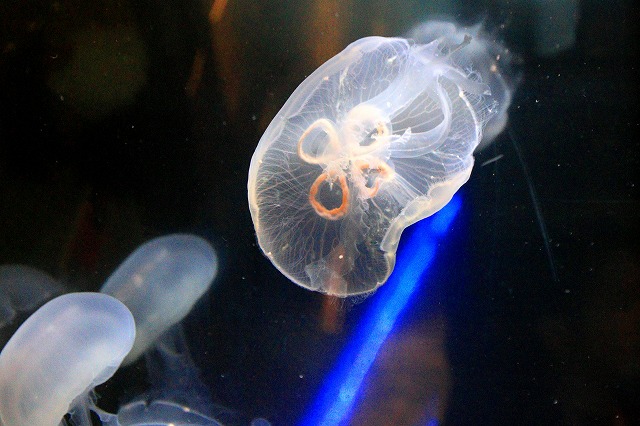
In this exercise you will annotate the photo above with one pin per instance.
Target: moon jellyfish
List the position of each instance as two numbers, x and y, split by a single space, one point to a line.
22 289
58 355
485 56
377 138
160 282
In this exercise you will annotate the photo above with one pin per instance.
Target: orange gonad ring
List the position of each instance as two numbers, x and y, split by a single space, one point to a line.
330 214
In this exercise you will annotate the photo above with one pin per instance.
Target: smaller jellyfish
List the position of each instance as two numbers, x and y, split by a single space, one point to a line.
59 354
484 56
379 137
160 282
23 289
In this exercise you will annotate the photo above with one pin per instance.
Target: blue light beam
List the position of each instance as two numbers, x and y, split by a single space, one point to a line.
337 395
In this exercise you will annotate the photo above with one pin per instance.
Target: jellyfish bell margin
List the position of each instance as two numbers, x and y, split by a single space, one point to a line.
59 354
160 282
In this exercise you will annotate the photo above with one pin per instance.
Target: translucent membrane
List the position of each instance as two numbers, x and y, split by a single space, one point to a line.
484 56
22 289
377 138
160 282
59 354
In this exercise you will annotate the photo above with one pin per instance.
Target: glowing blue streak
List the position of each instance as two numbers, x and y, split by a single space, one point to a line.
339 392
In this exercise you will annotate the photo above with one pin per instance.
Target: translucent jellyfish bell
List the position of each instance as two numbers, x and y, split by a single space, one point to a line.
22 289
377 138
160 282
58 355
484 56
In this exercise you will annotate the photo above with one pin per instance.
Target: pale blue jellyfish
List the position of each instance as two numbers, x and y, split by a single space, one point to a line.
65 349
160 282
23 289
58 355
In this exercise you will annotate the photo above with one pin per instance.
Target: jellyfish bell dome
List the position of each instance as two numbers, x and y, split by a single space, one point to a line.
160 282
59 354
23 289
379 137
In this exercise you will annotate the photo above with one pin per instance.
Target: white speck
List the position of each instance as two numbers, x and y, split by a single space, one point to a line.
340 257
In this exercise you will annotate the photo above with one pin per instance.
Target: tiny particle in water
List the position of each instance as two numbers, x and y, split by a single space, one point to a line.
492 160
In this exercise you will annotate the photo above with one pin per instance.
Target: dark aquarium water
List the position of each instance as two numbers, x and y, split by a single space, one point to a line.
516 301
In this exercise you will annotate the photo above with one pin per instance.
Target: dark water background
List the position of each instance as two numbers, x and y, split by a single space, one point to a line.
150 131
